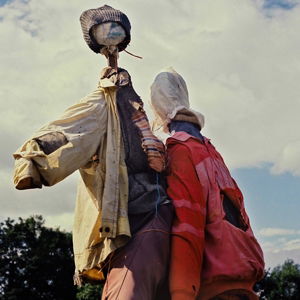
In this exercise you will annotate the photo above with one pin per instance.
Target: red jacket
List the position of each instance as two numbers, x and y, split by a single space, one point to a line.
209 254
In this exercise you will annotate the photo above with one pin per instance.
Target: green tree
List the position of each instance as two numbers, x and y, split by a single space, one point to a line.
36 262
281 283
89 292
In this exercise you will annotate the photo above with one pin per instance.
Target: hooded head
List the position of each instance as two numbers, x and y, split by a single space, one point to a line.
170 100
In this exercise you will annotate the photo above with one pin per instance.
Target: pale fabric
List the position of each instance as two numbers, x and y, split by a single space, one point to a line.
91 128
108 34
169 95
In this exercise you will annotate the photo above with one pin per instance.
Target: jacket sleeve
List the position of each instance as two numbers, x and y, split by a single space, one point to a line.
62 146
187 243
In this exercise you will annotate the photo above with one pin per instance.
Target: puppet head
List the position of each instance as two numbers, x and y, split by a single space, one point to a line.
105 26
106 31
170 100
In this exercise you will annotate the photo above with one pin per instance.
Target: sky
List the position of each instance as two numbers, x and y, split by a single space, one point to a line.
241 63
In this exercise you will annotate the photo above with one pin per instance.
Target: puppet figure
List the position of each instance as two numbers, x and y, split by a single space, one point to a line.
122 215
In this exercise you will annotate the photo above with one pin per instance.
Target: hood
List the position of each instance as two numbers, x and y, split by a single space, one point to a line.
169 95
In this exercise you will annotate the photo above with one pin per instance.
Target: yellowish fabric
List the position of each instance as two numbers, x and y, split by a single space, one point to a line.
92 129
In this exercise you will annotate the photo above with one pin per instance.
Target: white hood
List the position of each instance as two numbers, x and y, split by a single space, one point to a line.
169 95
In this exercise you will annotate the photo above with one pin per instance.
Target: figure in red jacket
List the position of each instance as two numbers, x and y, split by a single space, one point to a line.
214 252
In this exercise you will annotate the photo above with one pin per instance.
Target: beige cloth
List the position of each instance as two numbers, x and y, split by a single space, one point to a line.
169 95
92 129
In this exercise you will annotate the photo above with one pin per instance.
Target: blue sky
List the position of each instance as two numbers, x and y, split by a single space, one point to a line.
271 199
3 2
282 4
240 60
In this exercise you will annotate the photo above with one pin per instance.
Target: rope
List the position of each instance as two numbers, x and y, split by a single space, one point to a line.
133 54
158 193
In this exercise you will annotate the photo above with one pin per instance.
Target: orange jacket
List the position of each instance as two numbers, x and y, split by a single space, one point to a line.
213 247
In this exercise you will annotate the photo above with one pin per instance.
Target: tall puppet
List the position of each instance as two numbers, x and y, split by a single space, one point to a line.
122 215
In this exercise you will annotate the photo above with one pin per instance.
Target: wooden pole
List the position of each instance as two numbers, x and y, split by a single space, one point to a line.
112 61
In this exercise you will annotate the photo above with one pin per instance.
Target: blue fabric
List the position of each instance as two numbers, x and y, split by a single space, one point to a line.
188 127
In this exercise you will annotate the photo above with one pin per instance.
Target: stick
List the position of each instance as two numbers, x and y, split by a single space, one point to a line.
112 61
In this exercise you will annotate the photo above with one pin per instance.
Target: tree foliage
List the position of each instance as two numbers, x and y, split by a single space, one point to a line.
281 283
89 292
36 262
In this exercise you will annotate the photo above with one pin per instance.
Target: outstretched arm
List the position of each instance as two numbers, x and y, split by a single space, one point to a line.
62 146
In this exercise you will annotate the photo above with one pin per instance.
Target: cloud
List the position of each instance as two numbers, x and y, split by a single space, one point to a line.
63 221
274 259
269 232
289 159
241 65
241 68
46 201
278 244
292 245
278 249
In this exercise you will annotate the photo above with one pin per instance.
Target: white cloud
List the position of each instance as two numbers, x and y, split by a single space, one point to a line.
289 159
63 221
292 245
55 200
273 259
268 232
277 250
278 244
241 67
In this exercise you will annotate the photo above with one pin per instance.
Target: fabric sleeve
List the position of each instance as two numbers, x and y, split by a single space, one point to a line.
187 242
62 146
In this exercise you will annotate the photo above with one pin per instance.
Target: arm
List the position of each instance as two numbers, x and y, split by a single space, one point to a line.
187 242
62 146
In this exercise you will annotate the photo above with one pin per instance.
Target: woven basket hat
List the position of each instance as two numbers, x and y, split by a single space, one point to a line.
103 14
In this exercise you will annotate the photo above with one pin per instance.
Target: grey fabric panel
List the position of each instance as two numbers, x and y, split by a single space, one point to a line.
50 142
135 157
146 187
144 192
